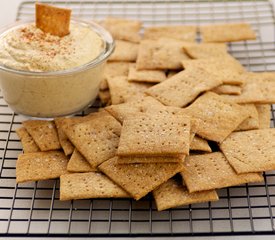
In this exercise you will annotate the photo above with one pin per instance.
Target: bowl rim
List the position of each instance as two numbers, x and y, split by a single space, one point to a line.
108 49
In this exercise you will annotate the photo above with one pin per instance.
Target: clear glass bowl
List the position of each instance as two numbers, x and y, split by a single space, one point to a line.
57 93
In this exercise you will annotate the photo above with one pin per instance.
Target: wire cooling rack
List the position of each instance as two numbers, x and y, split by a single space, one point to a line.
33 209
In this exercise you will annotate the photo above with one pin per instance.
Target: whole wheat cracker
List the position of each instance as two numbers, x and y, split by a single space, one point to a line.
125 51
27 141
228 89
199 144
252 122
264 115
151 76
146 159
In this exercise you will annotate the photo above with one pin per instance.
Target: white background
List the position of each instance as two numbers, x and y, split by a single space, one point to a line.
8 9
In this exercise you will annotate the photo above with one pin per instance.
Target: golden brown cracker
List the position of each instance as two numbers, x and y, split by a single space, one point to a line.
151 76
252 122
27 141
264 115
124 51
199 144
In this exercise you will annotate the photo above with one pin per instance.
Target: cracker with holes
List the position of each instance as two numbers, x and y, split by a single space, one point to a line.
184 87
78 163
227 32
27 141
258 88
146 159
215 117
183 33
125 51
227 89
40 166
43 133
173 194
123 91
212 171
151 76
154 135
250 151
199 144
252 122
89 185
139 179
264 115
161 54
97 139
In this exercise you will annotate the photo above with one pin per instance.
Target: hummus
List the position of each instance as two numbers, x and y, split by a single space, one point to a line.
28 48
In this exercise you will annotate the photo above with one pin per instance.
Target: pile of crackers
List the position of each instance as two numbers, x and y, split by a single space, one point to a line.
182 120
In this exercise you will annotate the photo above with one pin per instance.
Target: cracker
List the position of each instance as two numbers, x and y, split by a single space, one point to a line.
53 20
78 163
216 118
184 87
184 33
161 54
258 88
40 166
139 179
205 50
173 194
133 160
27 141
124 51
105 97
151 76
264 115
200 144
43 133
123 91
227 32
97 139
228 89
252 122
154 135
212 171
250 151
171 73
122 23
89 185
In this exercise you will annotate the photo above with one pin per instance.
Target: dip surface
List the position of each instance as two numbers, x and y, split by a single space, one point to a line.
30 49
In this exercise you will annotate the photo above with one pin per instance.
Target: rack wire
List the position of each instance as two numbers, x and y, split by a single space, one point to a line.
33 209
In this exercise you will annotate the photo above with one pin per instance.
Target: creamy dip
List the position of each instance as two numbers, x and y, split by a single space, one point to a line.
29 48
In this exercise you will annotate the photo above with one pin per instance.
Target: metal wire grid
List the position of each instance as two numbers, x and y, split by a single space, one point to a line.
33 209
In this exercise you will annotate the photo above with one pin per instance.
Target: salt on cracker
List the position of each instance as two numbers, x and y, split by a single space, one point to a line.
161 54
183 33
227 32
154 135
96 139
146 159
40 166
173 194
124 51
212 171
89 185
216 118
250 151
228 89
184 87
78 163
123 91
264 115
252 122
27 141
53 20
43 133
139 179
151 76
199 144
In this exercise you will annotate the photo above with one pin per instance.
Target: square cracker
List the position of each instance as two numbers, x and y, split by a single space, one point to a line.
227 32
78 163
125 51
53 20
146 159
27 141
264 115
252 122
184 87
212 171
151 76
228 89
154 135
199 144
89 185
40 166
173 194
96 139
250 151
139 179
161 54
43 133
183 33
258 88
216 118
123 91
